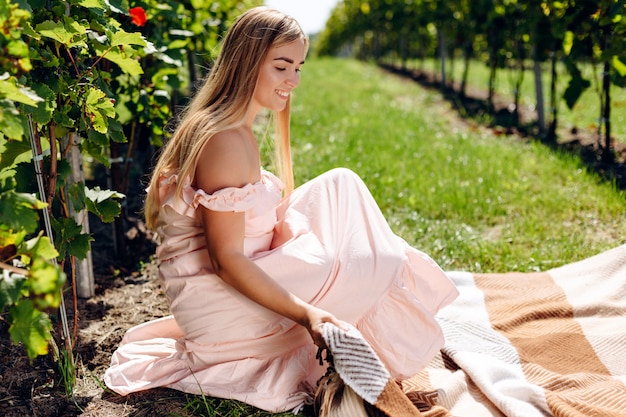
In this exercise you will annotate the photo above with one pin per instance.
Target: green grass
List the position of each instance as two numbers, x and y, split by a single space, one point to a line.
471 200
216 407
584 115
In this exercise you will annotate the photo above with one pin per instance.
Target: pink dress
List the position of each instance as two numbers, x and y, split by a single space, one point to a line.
329 244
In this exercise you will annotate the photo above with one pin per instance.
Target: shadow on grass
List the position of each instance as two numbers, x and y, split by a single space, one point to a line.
504 118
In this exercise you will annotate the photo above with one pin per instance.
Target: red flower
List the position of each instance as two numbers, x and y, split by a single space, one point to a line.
138 16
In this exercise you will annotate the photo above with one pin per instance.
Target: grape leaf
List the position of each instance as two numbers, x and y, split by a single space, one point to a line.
30 327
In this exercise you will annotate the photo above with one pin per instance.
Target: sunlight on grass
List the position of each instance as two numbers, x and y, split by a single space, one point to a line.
472 200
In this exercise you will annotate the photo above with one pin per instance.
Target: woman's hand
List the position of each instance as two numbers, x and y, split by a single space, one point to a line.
313 321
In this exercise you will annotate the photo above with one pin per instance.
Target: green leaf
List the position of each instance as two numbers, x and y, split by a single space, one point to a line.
102 203
96 151
116 131
15 151
99 109
46 279
25 4
70 239
127 64
7 181
16 48
25 178
40 246
107 210
98 138
118 6
98 101
11 123
19 211
10 241
12 91
80 246
178 43
568 42
70 33
62 117
67 228
93 4
99 122
30 327
10 288
44 110
122 38
28 30
76 195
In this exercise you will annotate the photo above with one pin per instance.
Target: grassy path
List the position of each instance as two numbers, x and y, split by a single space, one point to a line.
472 200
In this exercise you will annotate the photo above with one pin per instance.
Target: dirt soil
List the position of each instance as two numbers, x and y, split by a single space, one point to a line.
34 389
127 295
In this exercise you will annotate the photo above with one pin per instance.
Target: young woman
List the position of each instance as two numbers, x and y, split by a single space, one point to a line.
251 267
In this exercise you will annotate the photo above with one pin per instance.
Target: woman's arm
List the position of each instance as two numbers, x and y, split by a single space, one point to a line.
224 233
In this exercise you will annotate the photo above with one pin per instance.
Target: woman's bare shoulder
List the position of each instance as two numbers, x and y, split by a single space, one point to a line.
227 160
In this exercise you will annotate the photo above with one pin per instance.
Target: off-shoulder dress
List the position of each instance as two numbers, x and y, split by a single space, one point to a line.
328 243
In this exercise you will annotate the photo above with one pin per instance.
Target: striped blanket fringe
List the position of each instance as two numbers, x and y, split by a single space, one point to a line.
533 344
357 383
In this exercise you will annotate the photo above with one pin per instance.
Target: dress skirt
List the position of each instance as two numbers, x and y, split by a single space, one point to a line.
329 244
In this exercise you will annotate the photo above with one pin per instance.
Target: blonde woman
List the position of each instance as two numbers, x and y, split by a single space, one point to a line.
251 267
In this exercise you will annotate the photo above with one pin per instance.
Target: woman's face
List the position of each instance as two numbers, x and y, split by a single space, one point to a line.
279 74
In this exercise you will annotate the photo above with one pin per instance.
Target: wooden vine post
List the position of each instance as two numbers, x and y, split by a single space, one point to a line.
85 283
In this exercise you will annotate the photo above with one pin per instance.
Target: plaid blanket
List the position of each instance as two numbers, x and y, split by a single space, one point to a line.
532 344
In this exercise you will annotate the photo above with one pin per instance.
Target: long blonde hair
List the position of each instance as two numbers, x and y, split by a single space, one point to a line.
224 101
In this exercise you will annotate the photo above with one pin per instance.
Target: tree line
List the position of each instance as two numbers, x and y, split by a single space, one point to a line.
518 34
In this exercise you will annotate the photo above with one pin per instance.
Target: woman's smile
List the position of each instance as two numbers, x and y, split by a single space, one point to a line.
283 94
